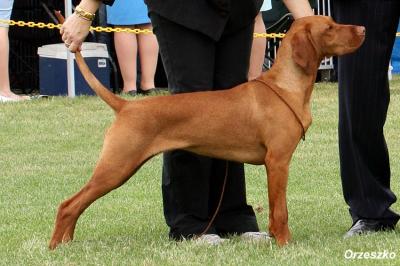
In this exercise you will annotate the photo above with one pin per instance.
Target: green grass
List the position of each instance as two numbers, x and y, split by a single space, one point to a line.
48 149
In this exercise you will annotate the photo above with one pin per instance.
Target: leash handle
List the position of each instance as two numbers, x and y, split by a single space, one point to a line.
59 16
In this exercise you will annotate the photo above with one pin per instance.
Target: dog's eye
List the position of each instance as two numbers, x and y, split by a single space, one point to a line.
330 27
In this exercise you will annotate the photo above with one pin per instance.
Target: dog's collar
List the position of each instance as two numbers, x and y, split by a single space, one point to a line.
272 88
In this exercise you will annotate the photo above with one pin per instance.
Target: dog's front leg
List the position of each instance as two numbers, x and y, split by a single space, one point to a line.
277 170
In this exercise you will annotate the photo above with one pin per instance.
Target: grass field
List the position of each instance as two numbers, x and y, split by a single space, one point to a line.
48 149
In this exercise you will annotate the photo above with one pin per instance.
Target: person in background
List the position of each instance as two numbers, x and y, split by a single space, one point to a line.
259 44
298 9
6 95
363 104
133 14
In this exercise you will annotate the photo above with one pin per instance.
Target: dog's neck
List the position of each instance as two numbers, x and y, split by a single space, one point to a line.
296 88
284 64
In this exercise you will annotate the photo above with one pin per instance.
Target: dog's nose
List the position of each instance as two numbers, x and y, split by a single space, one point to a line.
360 30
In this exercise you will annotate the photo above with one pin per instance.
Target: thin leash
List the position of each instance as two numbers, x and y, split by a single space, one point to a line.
303 134
219 203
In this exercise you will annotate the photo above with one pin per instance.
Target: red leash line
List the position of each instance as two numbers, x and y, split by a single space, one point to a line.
219 203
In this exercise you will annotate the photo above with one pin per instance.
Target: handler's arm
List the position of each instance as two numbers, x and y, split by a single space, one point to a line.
76 28
299 8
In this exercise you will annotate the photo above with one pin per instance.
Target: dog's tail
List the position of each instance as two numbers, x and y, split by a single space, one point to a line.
110 98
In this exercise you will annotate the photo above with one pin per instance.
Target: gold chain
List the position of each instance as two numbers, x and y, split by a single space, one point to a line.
42 25
30 24
269 35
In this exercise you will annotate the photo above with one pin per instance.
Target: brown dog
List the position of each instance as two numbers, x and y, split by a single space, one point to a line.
258 122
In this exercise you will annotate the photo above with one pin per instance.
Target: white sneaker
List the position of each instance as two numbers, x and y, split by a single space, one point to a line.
4 99
7 99
256 236
209 239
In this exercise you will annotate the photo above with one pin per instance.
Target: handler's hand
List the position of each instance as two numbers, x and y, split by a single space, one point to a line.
74 31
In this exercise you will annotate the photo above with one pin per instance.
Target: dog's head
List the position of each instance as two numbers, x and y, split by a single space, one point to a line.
313 38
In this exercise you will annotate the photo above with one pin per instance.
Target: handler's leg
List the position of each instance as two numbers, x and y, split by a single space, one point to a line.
188 204
188 58
363 103
232 65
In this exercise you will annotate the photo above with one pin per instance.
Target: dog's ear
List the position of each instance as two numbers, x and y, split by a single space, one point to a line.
303 51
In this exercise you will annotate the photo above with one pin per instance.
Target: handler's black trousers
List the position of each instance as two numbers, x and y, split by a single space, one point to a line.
192 184
363 104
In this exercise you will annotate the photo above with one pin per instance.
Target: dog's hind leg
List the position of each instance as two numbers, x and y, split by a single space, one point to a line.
120 159
277 171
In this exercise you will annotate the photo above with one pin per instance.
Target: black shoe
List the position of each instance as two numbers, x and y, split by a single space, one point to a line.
131 93
363 226
149 91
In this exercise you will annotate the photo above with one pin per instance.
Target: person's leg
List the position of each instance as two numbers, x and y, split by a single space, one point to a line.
363 103
4 75
188 59
5 90
231 68
126 49
258 49
148 54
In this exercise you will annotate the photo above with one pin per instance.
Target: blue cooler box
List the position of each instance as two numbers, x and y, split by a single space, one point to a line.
53 68
396 54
